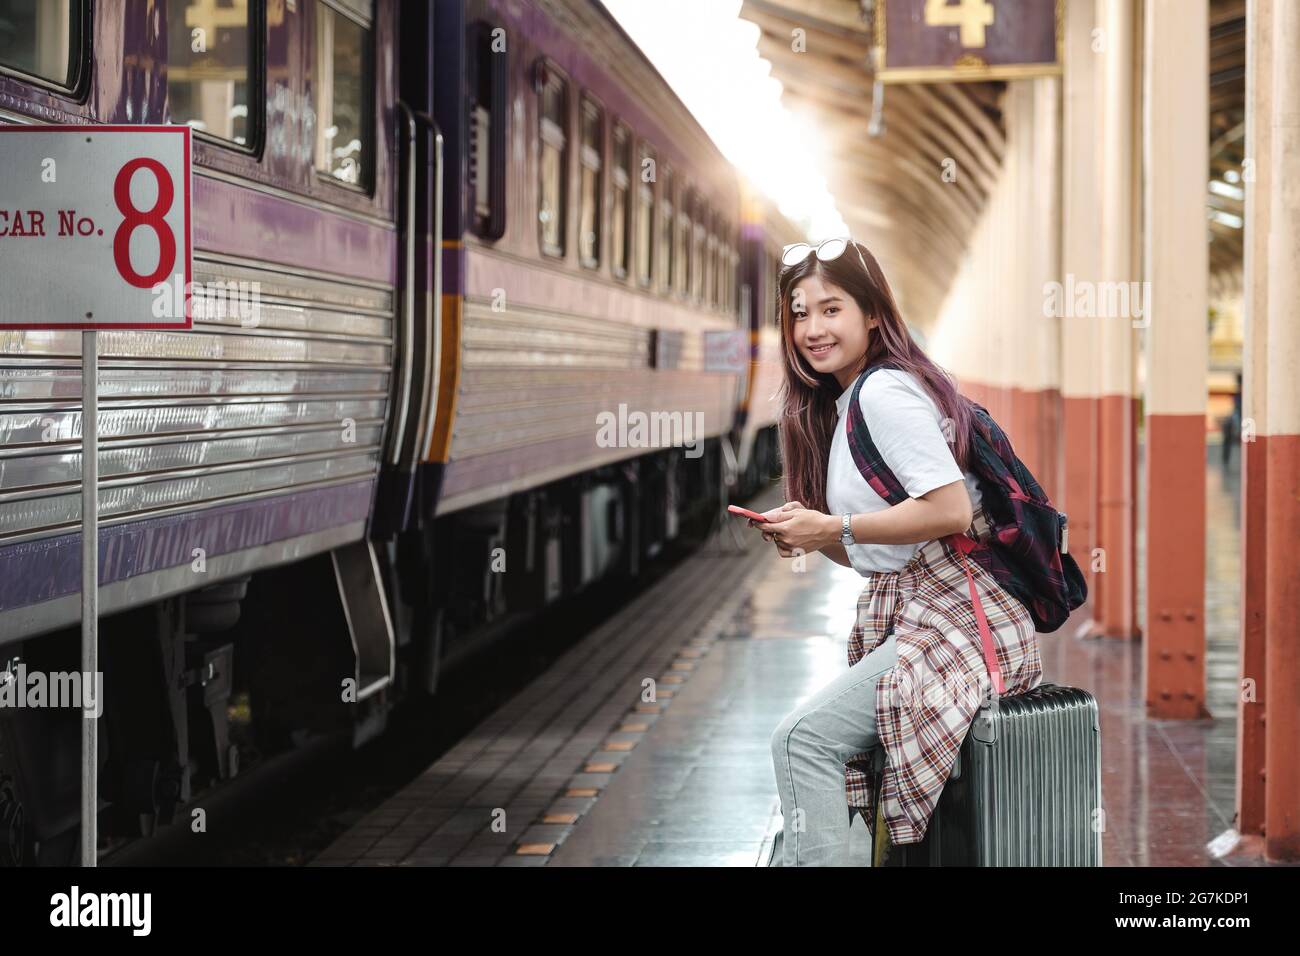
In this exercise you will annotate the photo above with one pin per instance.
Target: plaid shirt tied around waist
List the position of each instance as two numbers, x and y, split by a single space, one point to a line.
927 702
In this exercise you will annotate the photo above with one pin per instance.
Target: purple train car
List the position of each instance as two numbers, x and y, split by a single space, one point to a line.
502 345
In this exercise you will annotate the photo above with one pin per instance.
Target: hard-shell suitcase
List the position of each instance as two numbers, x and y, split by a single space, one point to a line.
1025 789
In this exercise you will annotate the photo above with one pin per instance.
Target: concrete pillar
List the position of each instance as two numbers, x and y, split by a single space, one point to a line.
1018 370
1254 414
1006 258
1116 587
1032 235
967 337
991 331
1282 454
1045 249
1080 262
1176 139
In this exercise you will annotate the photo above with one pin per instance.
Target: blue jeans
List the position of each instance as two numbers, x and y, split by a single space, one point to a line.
809 749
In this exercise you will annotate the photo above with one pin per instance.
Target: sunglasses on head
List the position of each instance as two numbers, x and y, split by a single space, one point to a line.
826 250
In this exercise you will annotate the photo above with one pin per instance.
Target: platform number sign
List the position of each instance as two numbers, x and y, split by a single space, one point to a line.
95 227
942 41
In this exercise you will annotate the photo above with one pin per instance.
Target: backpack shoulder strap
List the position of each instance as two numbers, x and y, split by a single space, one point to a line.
865 454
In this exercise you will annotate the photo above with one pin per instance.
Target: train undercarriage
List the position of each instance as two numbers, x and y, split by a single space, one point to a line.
197 685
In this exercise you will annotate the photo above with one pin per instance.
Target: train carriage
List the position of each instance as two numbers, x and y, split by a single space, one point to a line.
764 231
230 438
591 260
256 439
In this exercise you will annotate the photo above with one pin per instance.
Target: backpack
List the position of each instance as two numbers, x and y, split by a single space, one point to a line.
1025 549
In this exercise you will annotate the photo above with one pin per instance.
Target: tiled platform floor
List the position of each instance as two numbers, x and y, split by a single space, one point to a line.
580 770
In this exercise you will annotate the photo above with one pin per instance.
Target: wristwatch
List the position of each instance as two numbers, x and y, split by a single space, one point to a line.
846 532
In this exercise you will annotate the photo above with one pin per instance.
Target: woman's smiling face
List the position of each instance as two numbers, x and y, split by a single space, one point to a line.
829 329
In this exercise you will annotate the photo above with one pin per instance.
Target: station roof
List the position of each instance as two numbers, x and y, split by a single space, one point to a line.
1227 133
887 186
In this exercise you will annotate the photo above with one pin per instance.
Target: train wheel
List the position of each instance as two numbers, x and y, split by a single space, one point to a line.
13 831
441 629
140 784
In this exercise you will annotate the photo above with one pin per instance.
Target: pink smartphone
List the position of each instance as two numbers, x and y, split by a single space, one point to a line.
746 513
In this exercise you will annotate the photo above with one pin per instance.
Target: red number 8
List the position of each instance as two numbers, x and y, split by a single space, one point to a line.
152 218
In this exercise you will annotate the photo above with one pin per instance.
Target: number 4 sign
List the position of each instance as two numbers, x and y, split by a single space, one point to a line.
94 234
95 227
971 15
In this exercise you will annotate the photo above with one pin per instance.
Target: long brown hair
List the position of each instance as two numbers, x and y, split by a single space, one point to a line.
809 414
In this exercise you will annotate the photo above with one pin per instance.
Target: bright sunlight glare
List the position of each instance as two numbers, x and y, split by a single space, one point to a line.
710 58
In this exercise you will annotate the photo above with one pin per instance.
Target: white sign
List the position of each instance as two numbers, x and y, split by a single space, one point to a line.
95 227
94 234
726 350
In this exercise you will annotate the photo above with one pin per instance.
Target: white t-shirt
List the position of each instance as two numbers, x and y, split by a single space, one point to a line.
905 425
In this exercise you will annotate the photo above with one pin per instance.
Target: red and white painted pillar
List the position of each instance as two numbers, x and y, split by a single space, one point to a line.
1254 414
1176 126
991 332
1080 262
1282 445
1043 369
1117 585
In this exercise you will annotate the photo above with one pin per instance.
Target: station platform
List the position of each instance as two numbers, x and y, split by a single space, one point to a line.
579 770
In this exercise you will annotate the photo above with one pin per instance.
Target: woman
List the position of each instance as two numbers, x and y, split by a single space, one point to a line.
916 629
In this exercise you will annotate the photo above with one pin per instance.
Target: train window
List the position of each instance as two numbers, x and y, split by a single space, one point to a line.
711 257
591 162
697 251
667 262
342 103
41 40
761 304
719 253
763 289
210 79
727 280
771 267
724 264
716 239
732 277
553 127
487 130
619 219
704 223
645 213
685 274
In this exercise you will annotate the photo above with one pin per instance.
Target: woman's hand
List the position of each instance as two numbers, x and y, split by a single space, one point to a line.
799 530
771 515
